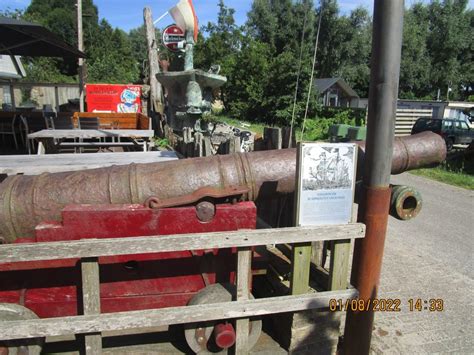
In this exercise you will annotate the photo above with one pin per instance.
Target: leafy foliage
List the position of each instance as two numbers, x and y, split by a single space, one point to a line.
110 55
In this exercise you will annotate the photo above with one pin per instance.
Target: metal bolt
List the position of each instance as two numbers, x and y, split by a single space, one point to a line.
205 211
200 339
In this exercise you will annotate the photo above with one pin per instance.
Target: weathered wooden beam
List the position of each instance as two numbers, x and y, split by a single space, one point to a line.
244 261
91 301
156 92
85 324
164 243
339 265
300 266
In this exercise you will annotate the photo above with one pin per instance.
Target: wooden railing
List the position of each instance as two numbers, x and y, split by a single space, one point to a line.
93 323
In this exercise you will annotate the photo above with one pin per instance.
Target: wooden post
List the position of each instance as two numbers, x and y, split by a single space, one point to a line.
272 137
91 301
56 97
286 142
80 46
339 264
301 253
12 96
300 266
156 92
234 144
244 260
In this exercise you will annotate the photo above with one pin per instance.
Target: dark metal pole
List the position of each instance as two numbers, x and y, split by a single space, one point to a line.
373 211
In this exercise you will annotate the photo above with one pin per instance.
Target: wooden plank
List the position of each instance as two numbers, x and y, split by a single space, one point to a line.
87 248
414 110
300 262
91 133
33 165
244 260
339 265
85 324
91 301
96 144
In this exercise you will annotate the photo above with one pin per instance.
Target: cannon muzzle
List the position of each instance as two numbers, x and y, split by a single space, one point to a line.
25 201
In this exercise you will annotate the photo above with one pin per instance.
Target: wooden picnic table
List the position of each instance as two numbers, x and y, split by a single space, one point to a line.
57 136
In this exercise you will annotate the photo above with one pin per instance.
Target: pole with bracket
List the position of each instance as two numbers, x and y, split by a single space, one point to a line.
374 208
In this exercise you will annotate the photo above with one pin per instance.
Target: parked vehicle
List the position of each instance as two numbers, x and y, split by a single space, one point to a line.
453 131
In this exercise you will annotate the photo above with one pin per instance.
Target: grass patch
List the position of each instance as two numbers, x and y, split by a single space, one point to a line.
452 178
457 170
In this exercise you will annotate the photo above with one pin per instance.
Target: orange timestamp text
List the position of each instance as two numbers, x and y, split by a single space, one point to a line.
386 305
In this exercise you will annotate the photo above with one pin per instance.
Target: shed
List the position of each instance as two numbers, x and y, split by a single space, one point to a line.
336 92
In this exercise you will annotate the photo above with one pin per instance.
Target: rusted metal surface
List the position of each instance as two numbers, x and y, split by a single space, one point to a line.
405 202
384 156
365 276
205 211
216 193
26 201
420 150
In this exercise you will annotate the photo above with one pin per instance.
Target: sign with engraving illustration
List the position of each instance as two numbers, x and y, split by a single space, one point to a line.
326 183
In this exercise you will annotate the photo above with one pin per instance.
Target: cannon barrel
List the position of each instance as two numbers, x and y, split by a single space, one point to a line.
405 202
25 201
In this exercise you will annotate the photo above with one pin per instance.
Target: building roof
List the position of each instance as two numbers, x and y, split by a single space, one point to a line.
324 84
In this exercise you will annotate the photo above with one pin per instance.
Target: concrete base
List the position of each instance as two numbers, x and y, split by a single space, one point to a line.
309 332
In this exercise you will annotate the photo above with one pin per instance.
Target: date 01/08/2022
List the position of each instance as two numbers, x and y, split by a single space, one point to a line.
387 305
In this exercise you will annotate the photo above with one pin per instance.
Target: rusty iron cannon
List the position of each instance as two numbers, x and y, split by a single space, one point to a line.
25 201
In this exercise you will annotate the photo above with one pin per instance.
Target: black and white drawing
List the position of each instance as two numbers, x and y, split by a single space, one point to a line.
326 183
327 167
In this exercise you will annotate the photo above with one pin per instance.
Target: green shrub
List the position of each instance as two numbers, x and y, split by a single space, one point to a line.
318 128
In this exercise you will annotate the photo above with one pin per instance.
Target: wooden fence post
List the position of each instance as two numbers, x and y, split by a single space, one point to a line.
91 301
244 260
272 137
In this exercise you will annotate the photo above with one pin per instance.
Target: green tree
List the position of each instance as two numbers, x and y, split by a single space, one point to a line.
138 43
222 45
288 29
415 63
450 44
355 50
112 59
59 16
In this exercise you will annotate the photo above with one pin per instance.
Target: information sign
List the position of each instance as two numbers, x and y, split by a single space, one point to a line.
326 183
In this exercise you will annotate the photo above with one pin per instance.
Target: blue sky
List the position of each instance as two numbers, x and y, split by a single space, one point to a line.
128 14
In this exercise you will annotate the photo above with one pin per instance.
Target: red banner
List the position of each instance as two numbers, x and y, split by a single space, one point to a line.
113 98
